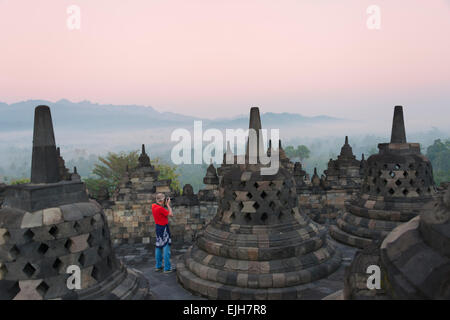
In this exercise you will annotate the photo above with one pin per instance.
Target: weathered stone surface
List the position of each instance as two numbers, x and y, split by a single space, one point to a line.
323 198
414 259
398 181
48 227
44 165
130 216
32 220
52 216
257 241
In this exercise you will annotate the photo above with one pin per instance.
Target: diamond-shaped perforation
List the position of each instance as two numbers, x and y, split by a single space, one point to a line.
28 235
391 191
5 236
256 185
90 240
68 244
405 192
14 252
392 174
53 231
95 273
82 259
57 265
249 195
29 270
247 216
264 217
398 182
77 226
256 205
263 195
43 248
272 205
42 288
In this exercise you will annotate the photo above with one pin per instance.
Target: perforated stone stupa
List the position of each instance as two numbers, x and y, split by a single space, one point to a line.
325 196
414 259
211 190
48 225
130 215
259 245
398 181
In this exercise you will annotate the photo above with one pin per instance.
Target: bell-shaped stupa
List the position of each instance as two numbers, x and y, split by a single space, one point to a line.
259 245
49 228
398 181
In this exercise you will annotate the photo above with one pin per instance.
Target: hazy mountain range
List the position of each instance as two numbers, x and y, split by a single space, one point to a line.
86 115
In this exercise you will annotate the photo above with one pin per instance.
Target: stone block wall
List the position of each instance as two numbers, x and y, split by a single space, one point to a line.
134 223
130 217
323 206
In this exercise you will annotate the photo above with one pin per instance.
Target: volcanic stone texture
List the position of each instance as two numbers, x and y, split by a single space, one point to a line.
416 255
49 225
258 246
398 181
130 215
414 259
211 190
325 198
356 275
44 163
37 247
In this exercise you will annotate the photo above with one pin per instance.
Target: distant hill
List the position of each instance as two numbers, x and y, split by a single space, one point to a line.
89 116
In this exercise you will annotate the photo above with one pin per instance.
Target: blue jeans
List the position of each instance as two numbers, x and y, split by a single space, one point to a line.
159 257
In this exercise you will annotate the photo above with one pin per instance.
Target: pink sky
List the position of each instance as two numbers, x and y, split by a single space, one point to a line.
219 57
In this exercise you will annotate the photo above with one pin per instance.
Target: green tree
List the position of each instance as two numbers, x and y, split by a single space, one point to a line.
167 171
112 167
439 155
20 181
301 152
110 170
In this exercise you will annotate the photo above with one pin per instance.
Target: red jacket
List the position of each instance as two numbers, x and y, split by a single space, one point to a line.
160 214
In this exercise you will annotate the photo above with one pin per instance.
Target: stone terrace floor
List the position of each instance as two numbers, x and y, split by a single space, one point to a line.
165 286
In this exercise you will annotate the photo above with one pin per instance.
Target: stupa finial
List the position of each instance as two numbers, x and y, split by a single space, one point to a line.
44 162
398 126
